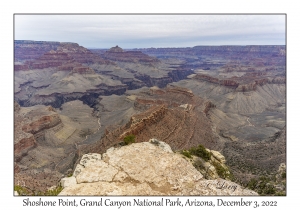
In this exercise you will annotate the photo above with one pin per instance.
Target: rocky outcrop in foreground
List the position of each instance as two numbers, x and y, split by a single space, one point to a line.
148 168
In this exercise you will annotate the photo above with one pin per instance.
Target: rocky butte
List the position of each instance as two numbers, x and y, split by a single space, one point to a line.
118 54
147 168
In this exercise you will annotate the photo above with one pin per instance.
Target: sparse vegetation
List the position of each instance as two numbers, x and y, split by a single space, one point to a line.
129 139
201 152
280 194
155 142
262 186
272 184
25 192
21 190
53 192
186 153
223 172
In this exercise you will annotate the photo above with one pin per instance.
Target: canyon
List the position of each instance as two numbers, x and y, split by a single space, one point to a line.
71 101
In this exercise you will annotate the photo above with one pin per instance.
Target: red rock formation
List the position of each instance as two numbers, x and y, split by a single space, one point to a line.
252 86
62 55
50 59
43 65
166 120
206 78
42 123
247 82
118 54
18 67
139 122
28 50
22 141
180 90
81 54
23 145
225 82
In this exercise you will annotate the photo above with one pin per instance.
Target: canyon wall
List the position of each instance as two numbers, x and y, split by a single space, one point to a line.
247 82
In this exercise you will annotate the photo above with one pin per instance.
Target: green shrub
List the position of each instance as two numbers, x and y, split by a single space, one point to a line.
201 152
252 184
262 185
280 194
20 190
269 189
186 153
25 192
129 139
222 172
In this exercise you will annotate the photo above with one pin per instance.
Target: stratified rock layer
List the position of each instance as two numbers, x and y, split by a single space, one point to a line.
118 54
143 169
45 142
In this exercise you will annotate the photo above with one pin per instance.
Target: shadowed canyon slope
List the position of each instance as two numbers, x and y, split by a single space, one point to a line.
70 101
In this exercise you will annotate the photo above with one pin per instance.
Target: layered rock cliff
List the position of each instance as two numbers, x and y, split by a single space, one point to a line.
173 115
69 72
29 126
148 168
27 50
245 83
274 50
45 142
47 54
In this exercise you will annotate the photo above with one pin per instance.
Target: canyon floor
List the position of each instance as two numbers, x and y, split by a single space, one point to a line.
71 101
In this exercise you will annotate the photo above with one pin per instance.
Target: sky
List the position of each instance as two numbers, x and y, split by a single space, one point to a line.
144 31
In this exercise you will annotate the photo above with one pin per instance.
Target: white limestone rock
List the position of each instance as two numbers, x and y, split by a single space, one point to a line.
145 169
68 181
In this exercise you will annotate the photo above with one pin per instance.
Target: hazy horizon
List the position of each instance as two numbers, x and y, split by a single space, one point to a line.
148 47
145 31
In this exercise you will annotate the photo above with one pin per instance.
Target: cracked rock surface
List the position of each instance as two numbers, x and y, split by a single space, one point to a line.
143 169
